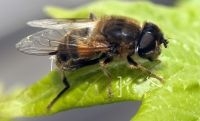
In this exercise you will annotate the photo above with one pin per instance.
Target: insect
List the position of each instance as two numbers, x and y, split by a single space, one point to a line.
79 42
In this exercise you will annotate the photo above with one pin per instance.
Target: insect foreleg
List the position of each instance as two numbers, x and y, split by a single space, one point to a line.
134 64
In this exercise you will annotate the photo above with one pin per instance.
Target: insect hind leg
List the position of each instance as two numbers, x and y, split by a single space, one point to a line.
65 82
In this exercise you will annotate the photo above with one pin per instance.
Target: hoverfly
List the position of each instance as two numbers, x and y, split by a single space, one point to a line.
80 42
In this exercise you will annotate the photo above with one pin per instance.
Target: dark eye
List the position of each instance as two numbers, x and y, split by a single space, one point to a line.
147 43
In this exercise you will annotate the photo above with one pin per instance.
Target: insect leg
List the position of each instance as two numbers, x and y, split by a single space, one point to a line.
65 82
134 64
103 63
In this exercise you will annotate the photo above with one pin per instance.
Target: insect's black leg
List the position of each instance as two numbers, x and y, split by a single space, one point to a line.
134 64
65 82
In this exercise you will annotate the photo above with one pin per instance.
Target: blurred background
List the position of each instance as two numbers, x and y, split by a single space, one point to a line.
17 69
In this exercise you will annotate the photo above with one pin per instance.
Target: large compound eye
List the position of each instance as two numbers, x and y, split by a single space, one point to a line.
147 43
150 41
147 46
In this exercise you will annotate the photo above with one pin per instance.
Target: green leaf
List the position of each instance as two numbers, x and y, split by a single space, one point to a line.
89 86
176 99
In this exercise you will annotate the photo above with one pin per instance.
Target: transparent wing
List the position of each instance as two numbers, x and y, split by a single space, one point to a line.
46 42
41 43
62 23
